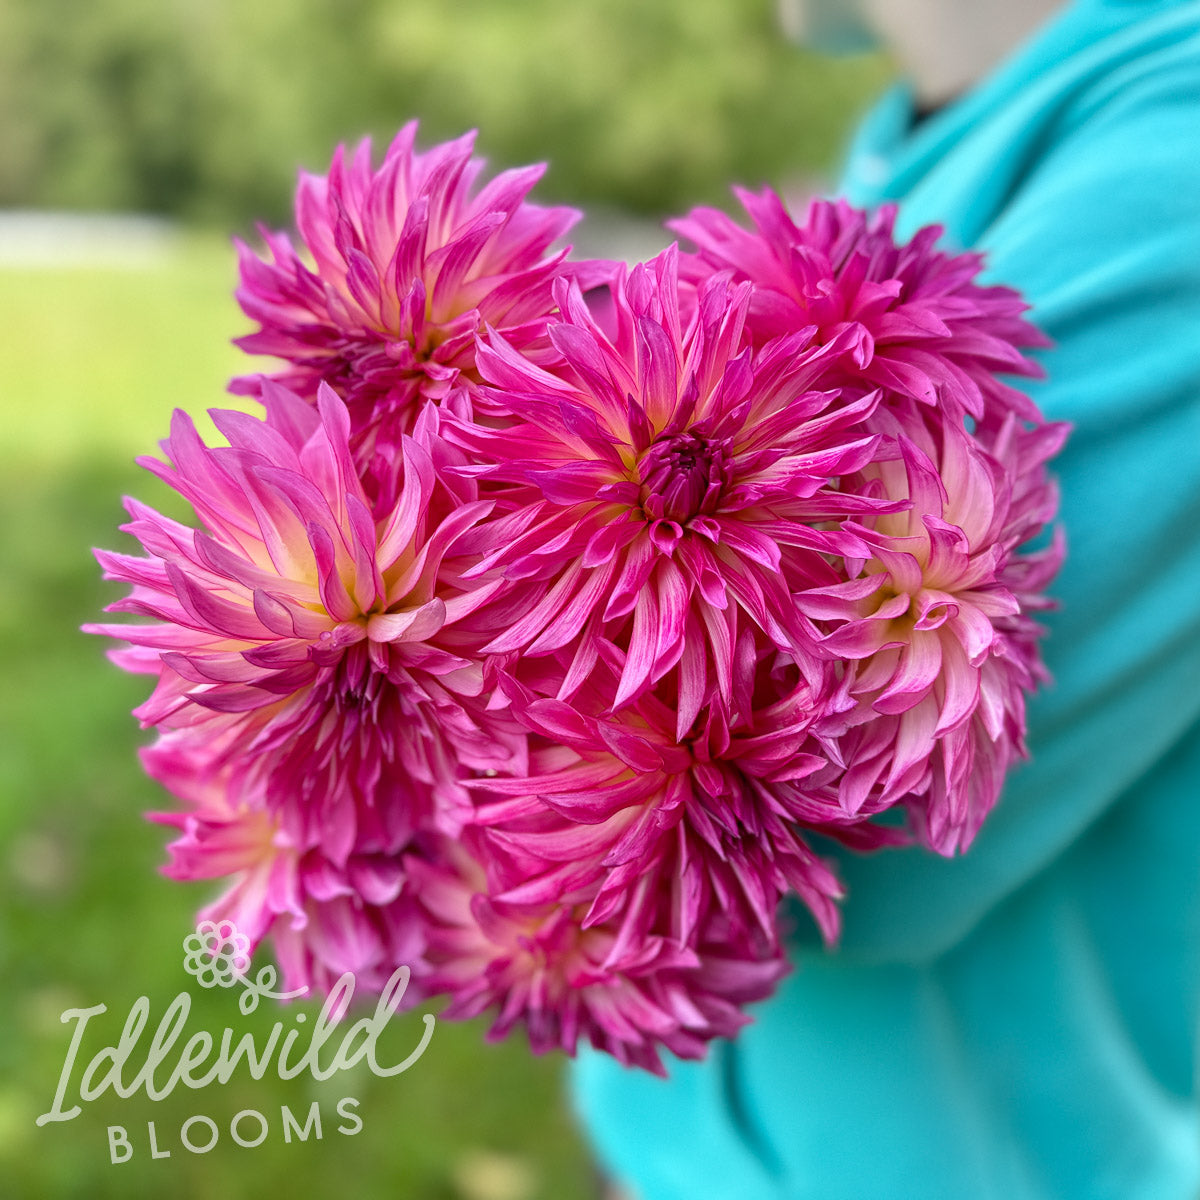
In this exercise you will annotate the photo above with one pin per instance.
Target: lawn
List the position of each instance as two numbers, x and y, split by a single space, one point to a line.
92 363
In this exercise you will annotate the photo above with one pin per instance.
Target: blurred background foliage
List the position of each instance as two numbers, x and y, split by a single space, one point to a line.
202 110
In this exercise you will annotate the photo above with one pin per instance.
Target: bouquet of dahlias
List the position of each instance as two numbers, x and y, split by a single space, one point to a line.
548 609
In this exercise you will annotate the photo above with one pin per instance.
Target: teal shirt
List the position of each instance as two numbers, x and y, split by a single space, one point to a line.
1019 1023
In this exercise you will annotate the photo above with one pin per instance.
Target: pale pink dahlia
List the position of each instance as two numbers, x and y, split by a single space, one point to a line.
408 262
324 917
922 327
657 487
933 628
312 645
544 966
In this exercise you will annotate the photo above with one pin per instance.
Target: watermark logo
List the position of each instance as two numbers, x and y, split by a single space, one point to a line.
218 955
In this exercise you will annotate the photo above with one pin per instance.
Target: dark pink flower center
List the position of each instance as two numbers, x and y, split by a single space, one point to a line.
683 475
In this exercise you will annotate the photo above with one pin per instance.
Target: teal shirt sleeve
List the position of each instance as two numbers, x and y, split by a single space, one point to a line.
1020 1023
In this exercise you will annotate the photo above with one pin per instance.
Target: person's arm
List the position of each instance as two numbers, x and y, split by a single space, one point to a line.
1104 237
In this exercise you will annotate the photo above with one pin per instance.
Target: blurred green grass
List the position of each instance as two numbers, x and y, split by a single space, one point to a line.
91 365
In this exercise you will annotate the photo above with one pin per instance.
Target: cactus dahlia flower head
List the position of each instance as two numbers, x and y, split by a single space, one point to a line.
544 966
324 917
540 658
932 631
308 644
405 264
925 330
667 486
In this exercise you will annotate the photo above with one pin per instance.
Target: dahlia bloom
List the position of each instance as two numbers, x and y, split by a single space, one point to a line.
657 487
543 966
324 917
311 645
933 631
923 328
408 263
713 820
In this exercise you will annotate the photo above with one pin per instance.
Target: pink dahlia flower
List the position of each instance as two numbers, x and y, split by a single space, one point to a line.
324 917
407 264
544 966
657 487
922 326
620 810
934 629
310 644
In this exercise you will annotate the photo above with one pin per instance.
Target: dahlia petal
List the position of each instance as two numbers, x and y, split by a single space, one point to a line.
537 620
416 625
211 612
920 664
287 620
640 559
961 684
643 649
609 540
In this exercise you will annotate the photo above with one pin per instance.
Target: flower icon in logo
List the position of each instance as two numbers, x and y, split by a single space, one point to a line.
219 955
216 954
